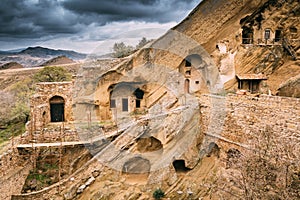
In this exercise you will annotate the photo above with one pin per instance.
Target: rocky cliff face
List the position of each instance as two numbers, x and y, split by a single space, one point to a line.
223 29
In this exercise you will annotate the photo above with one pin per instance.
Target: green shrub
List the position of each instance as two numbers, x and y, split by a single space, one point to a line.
158 194
52 74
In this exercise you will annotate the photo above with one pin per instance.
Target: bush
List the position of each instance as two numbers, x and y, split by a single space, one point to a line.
122 50
158 194
52 74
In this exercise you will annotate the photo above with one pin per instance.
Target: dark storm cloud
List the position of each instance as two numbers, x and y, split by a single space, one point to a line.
122 10
31 19
42 18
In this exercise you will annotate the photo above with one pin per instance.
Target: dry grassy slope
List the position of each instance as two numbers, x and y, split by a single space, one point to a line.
9 77
60 60
11 65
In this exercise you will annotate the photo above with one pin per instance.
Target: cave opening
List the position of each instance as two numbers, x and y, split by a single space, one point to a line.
179 166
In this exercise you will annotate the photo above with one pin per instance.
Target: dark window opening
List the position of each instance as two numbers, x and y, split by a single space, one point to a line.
197 82
139 94
179 166
247 35
254 86
208 83
188 73
188 63
113 103
277 35
137 103
293 29
57 111
125 105
267 34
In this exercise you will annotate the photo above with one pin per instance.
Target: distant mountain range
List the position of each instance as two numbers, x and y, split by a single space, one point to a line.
36 56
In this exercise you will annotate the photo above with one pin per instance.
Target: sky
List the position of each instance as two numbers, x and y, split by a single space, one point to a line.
86 25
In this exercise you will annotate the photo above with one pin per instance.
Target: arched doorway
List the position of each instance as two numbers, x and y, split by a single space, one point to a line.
139 95
57 109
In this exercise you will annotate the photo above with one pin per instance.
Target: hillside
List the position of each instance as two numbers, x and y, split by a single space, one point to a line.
36 56
60 60
11 65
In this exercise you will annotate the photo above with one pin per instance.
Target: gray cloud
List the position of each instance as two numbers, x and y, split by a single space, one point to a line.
42 19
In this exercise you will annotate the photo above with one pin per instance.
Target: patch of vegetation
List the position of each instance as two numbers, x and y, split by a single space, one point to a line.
11 130
158 194
122 50
52 74
36 181
39 177
49 166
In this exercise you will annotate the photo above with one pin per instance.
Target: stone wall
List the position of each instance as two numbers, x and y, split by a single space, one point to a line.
232 121
13 172
40 105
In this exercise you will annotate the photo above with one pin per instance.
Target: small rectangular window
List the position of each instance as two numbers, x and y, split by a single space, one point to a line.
137 103
112 103
125 105
267 34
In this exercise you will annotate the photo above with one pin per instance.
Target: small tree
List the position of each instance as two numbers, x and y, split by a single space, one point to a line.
158 194
122 50
52 74
142 43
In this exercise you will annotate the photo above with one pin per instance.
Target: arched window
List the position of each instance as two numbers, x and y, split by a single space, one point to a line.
57 109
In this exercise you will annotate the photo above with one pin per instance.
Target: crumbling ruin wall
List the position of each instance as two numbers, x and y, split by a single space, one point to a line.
246 116
40 105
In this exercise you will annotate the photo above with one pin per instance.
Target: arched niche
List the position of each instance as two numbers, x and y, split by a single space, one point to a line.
213 149
137 165
149 144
